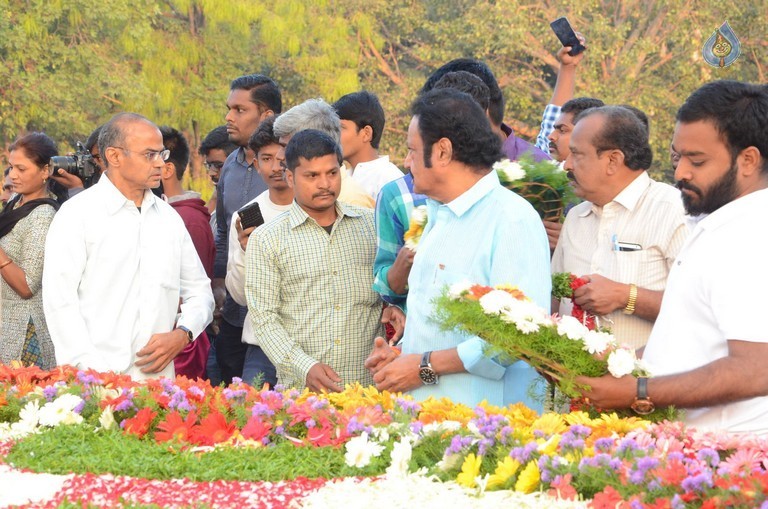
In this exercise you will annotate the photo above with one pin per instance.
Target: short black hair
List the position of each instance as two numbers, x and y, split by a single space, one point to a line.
738 110
579 104
640 114
93 139
363 108
622 130
448 113
466 82
264 135
217 139
178 147
310 144
264 91
482 71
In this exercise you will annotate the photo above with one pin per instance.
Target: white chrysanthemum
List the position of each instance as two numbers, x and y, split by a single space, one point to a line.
419 214
360 451
400 457
571 327
526 310
621 362
100 393
107 418
596 342
30 414
61 411
511 170
457 290
441 427
526 326
496 301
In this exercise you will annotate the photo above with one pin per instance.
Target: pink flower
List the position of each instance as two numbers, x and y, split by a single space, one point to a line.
742 461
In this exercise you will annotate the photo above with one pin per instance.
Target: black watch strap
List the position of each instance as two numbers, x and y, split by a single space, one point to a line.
642 388
190 336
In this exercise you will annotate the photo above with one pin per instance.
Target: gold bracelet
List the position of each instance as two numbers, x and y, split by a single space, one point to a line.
5 264
630 309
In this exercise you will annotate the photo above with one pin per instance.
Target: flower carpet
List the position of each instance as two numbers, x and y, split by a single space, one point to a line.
102 440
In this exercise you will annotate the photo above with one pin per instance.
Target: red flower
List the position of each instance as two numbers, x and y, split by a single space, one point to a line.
256 429
609 498
139 424
176 428
563 489
477 291
214 429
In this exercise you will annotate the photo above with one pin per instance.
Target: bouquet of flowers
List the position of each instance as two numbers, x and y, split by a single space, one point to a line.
544 185
560 346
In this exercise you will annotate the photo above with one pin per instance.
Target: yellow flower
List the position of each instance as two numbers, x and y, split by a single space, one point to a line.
549 446
470 469
529 478
504 471
578 417
550 424
443 409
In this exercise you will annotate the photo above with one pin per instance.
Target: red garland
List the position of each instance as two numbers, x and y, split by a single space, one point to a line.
588 319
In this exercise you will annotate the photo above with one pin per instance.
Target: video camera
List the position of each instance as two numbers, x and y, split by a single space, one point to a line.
81 164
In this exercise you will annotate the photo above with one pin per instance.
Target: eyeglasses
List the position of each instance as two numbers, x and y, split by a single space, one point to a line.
150 155
214 166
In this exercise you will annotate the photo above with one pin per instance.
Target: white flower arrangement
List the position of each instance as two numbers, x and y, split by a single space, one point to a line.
509 170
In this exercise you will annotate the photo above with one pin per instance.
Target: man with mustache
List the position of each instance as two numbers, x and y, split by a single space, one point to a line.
309 274
625 236
708 349
118 261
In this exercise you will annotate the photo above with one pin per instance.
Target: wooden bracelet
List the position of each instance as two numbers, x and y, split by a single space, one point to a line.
5 264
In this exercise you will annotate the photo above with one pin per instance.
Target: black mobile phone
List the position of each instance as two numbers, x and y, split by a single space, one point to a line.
567 36
250 215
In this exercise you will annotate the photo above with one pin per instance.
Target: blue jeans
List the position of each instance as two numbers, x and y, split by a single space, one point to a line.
257 364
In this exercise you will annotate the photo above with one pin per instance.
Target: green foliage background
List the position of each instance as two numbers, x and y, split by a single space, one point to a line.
68 65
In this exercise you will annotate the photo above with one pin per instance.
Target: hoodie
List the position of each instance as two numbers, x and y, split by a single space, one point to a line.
196 218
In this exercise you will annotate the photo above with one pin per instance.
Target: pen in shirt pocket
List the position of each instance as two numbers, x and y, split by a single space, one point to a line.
624 246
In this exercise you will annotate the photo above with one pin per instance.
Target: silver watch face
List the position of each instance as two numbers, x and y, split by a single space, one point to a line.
427 375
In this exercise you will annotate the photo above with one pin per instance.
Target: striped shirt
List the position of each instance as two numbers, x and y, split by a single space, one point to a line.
394 205
647 213
309 293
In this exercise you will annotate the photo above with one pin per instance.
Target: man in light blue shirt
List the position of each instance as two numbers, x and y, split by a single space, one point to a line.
477 231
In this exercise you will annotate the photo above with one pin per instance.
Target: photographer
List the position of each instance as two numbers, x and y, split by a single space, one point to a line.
86 165
23 228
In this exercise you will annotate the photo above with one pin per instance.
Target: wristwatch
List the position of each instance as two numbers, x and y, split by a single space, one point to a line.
642 404
190 336
426 373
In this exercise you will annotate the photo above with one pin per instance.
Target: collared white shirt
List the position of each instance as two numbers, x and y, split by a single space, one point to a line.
114 276
372 175
646 214
716 293
235 279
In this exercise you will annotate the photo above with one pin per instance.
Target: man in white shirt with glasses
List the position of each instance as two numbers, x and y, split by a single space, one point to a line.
119 261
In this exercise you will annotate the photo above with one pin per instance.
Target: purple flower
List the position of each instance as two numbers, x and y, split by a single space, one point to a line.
709 456
87 379
50 392
603 444
79 407
408 406
697 482
458 443
677 502
627 445
196 391
416 427
261 410
310 423
523 454
580 429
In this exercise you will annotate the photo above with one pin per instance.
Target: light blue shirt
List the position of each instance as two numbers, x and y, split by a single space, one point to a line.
488 235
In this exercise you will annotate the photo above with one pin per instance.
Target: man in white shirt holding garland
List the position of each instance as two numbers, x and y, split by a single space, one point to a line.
272 202
362 124
709 348
624 238
118 261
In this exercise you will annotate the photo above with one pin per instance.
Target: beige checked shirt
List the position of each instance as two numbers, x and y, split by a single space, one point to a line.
310 294
646 214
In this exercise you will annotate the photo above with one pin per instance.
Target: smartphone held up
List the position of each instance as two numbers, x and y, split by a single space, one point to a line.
567 35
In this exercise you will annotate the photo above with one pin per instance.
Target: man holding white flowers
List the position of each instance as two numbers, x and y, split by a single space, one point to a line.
709 348
477 232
